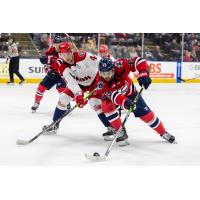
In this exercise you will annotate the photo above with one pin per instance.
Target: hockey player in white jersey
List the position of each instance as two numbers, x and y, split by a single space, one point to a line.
79 69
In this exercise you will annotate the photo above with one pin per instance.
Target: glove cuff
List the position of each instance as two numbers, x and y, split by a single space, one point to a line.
143 74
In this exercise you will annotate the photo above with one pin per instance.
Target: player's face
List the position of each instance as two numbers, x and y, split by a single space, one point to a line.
107 76
67 57
104 55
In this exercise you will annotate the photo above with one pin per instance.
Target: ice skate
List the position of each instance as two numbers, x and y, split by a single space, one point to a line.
35 107
168 137
109 134
22 82
52 130
122 140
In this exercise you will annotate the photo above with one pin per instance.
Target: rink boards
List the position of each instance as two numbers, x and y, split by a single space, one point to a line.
160 72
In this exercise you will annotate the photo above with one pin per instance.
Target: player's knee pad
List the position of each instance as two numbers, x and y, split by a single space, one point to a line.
108 106
64 100
95 104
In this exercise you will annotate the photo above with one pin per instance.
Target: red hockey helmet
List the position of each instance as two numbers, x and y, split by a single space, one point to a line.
65 47
103 49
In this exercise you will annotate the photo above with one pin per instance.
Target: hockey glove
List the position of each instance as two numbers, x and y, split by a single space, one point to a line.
129 105
43 60
144 79
80 101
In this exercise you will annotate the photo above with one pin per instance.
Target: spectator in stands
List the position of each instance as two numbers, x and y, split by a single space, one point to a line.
194 55
187 57
125 53
148 55
132 52
139 50
13 58
44 41
175 49
158 56
118 52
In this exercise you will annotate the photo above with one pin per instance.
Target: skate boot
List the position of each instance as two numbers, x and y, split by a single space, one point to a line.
170 138
109 134
68 106
35 107
21 82
10 83
52 130
122 140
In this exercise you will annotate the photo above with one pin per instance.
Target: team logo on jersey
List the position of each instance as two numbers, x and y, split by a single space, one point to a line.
107 95
78 66
118 64
104 65
100 85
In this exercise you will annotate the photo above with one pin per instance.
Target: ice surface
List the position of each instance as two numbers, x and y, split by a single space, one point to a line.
177 105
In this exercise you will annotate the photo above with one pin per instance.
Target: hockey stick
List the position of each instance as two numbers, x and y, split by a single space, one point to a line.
96 156
185 80
24 142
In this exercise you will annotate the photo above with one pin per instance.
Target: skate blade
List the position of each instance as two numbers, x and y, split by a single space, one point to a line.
123 143
50 133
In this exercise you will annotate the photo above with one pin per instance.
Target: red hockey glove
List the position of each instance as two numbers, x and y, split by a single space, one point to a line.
80 101
144 79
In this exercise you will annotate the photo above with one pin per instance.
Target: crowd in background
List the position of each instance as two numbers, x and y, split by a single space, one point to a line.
169 47
157 46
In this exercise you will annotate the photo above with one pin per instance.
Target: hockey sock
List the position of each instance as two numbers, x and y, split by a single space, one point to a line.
154 122
103 119
39 93
114 120
57 114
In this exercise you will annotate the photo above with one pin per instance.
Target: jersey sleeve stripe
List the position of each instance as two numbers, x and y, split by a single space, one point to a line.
114 97
59 61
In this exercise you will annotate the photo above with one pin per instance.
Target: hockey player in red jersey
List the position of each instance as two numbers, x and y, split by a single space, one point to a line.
104 52
51 77
80 70
116 88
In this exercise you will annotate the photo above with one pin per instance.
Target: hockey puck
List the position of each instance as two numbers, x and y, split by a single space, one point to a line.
96 154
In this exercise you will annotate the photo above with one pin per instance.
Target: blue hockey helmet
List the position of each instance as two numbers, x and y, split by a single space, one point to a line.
106 68
57 39
105 65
